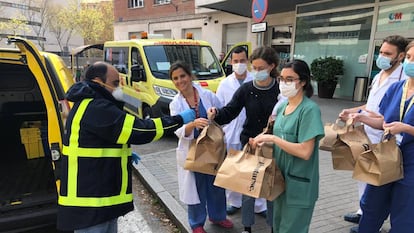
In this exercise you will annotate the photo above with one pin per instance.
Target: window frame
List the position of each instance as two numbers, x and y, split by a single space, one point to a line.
135 3
161 2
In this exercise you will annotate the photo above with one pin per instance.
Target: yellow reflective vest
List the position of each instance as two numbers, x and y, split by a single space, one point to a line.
96 161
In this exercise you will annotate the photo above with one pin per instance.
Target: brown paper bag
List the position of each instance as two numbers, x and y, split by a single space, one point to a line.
348 147
332 130
381 164
250 174
207 152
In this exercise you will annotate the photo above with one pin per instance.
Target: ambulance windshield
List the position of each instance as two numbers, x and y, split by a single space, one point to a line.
202 60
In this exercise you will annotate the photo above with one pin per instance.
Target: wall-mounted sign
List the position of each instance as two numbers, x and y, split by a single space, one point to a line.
398 17
259 27
259 10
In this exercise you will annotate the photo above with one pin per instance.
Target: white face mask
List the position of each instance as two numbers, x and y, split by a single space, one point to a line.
288 90
260 75
118 94
239 68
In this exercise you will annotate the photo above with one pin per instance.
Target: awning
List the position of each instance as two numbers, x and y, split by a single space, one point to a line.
243 7
82 48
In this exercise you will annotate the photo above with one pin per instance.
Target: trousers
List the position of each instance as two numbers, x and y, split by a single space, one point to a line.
212 202
395 199
110 226
248 213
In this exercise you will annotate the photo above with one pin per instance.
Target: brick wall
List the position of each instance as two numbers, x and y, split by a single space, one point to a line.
151 11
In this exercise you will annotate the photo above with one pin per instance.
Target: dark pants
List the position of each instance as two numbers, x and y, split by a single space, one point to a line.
395 199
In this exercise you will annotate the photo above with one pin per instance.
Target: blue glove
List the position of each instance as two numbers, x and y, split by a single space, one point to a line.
135 158
188 115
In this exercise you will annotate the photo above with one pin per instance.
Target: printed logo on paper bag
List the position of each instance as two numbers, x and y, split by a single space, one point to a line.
254 175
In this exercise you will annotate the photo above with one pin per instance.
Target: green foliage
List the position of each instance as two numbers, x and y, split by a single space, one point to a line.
327 69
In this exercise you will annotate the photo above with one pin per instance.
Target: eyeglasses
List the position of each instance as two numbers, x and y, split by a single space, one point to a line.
288 80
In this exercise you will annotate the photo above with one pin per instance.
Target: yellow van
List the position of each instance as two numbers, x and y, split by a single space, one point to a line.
32 115
144 65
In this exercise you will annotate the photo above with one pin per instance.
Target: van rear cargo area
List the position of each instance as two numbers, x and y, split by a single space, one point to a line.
27 185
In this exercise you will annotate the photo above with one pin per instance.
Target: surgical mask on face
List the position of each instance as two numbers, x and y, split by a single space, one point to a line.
116 91
260 75
288 90
239 68
118 94
384 63
409 68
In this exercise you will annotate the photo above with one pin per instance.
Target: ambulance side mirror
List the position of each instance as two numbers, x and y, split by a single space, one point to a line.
138 74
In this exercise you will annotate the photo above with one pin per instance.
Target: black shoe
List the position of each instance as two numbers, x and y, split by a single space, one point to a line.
354 229
231 210
352 217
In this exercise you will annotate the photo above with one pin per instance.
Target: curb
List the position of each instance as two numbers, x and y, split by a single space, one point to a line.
174 210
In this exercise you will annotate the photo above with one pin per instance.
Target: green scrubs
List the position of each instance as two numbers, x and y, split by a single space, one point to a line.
293 209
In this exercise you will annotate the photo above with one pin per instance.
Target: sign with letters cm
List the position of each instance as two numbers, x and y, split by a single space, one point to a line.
259 10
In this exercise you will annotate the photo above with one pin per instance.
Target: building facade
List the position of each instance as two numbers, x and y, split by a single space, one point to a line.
32 25
351 30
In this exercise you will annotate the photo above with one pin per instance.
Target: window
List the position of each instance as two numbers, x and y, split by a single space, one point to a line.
158 2
135 3
202 59
118 57
344 34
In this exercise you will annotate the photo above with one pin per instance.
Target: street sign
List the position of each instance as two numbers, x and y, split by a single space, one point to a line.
259 10
259 27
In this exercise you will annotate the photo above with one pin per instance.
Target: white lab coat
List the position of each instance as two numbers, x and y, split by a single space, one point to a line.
375 96
224 93
186 180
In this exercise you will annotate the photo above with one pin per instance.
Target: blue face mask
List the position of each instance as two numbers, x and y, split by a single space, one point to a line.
384 63
409 69
260 75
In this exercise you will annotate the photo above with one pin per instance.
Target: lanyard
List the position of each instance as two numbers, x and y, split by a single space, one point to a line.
195 103
403 99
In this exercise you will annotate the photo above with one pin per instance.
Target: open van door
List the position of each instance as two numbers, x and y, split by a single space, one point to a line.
31 118
226 63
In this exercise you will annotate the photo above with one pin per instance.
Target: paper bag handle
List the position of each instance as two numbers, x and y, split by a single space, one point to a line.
338 124
386 136
247 148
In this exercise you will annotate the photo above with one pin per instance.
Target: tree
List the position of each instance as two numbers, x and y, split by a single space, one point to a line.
15 26
107 9
38 18
90 23
95 22
90 20
60 23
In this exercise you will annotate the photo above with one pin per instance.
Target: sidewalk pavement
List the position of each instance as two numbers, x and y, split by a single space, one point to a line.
338 193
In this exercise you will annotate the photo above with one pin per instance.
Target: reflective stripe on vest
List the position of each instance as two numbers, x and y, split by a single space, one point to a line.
159 129
74 152
126 129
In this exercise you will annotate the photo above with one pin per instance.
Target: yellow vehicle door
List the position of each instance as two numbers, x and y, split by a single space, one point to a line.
226 62
49 86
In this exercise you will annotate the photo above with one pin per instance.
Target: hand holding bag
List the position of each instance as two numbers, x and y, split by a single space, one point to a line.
250 174
348 147
332 130
381 164
207 152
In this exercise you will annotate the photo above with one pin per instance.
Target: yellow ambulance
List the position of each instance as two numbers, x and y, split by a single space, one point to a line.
144 65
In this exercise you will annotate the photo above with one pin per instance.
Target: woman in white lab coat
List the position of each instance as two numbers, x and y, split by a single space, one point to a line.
195 189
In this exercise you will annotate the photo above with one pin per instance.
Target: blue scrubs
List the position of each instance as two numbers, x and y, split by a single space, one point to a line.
212 198
396 198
